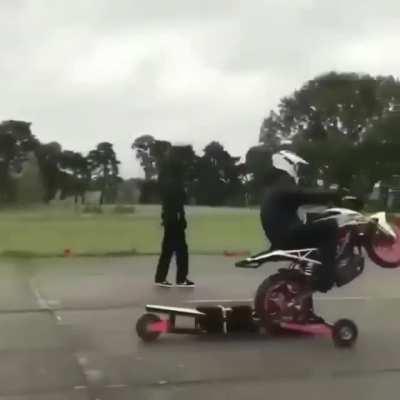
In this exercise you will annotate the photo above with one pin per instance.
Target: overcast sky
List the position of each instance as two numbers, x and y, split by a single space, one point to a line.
85 71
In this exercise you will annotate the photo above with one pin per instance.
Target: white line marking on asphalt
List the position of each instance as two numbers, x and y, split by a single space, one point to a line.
116 386
111 386
94 376
42 302
53 303
39 298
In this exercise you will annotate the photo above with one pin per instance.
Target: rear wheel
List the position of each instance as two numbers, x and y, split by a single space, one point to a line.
273 301
385 251
143 327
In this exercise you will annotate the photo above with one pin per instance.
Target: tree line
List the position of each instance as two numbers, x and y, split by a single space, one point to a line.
65 172
347 125
213 178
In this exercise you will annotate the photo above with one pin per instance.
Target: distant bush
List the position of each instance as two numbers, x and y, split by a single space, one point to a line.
124 209
92 209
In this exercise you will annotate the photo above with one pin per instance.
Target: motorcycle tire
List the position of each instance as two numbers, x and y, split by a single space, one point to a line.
384 254
271 326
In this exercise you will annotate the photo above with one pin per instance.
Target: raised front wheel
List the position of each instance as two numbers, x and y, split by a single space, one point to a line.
385 251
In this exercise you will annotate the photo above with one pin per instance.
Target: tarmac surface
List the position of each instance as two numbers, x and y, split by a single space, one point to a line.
67 332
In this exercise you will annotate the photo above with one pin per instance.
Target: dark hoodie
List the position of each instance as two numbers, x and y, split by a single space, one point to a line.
173 197
279 209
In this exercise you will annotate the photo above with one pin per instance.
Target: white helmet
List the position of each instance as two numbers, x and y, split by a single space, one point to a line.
289 162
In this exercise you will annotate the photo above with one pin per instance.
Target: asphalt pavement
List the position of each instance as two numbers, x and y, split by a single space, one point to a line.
67 332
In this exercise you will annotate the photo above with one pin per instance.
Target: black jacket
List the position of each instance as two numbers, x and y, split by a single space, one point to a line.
280 206
173 199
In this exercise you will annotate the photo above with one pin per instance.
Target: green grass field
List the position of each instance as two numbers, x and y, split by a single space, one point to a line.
49 231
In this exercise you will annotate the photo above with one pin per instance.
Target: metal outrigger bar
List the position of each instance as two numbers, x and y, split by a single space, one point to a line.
313 329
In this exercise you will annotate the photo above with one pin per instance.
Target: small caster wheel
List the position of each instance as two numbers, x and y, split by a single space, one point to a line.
143 327
344 333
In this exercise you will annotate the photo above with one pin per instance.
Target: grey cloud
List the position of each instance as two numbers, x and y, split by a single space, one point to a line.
123 14
185 70
279 36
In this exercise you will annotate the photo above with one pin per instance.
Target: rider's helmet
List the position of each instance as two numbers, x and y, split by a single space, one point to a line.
288 162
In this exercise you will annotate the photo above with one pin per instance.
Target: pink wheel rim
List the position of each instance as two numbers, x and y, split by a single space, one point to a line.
277 298
386 249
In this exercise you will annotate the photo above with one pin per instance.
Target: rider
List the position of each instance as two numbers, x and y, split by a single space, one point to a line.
282 225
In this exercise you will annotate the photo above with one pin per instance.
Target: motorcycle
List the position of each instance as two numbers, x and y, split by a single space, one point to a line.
280 301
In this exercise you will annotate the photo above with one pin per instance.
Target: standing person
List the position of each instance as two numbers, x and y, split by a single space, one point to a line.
171 181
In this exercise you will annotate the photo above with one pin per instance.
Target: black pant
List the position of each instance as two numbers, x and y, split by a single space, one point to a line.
174 241
324 236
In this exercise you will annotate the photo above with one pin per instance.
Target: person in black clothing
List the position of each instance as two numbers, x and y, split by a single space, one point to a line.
282 225
174 222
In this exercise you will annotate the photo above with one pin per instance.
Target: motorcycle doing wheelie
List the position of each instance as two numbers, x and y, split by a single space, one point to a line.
280 301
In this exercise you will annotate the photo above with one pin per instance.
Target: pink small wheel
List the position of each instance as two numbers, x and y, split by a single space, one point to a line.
144 327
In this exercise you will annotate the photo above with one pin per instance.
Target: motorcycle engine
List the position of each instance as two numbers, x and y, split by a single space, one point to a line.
348 269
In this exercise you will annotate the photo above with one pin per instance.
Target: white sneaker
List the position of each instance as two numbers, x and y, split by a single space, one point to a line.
186 283
163 284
